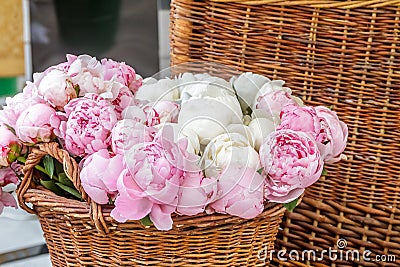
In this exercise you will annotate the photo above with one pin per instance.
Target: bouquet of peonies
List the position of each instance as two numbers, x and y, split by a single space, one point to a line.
188 145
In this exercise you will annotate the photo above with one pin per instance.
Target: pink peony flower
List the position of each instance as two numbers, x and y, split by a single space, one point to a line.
163 111
240 193
99 175
151 185
292 162
8 176
55 87
127 133
18 167
123 100
274 102
88 73
66 65
88 124
152 116
304 119
10 147
18 104
336 132
195 193
272 97
135 203
123 73
6 200
33 125
135 113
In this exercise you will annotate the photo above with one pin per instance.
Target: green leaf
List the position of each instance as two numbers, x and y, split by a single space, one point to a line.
63 178
77 90
146 221
70 190
21 159
51 185
324 172
58 167
48 162
291 205
14 152
260 171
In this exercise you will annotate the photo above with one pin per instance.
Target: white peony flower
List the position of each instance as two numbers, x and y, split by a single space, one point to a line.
259 113
214 80
203 85
209 116
260 129
187 133
229 150
243 130
153 90
247 85
55 87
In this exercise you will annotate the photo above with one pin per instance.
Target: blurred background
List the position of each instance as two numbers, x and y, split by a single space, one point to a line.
38 33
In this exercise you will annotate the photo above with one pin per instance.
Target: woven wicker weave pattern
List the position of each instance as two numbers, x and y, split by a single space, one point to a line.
83 233
317 225
343 54
346 59
317 3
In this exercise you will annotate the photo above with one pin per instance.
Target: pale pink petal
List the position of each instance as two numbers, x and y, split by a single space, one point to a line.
8 200
289 197
247 208
162 220
98 195
133 209
116 215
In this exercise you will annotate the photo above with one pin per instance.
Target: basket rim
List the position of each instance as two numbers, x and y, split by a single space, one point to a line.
348 4
44 199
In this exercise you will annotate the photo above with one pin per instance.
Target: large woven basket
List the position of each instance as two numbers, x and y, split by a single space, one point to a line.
83 234
343 54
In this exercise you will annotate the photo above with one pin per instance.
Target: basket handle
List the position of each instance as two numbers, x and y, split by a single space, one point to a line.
72 171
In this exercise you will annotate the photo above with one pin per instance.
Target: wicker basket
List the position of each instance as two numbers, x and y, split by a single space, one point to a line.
343 54
83 234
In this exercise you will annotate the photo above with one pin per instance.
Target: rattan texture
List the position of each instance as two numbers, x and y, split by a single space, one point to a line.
83 233
341 54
